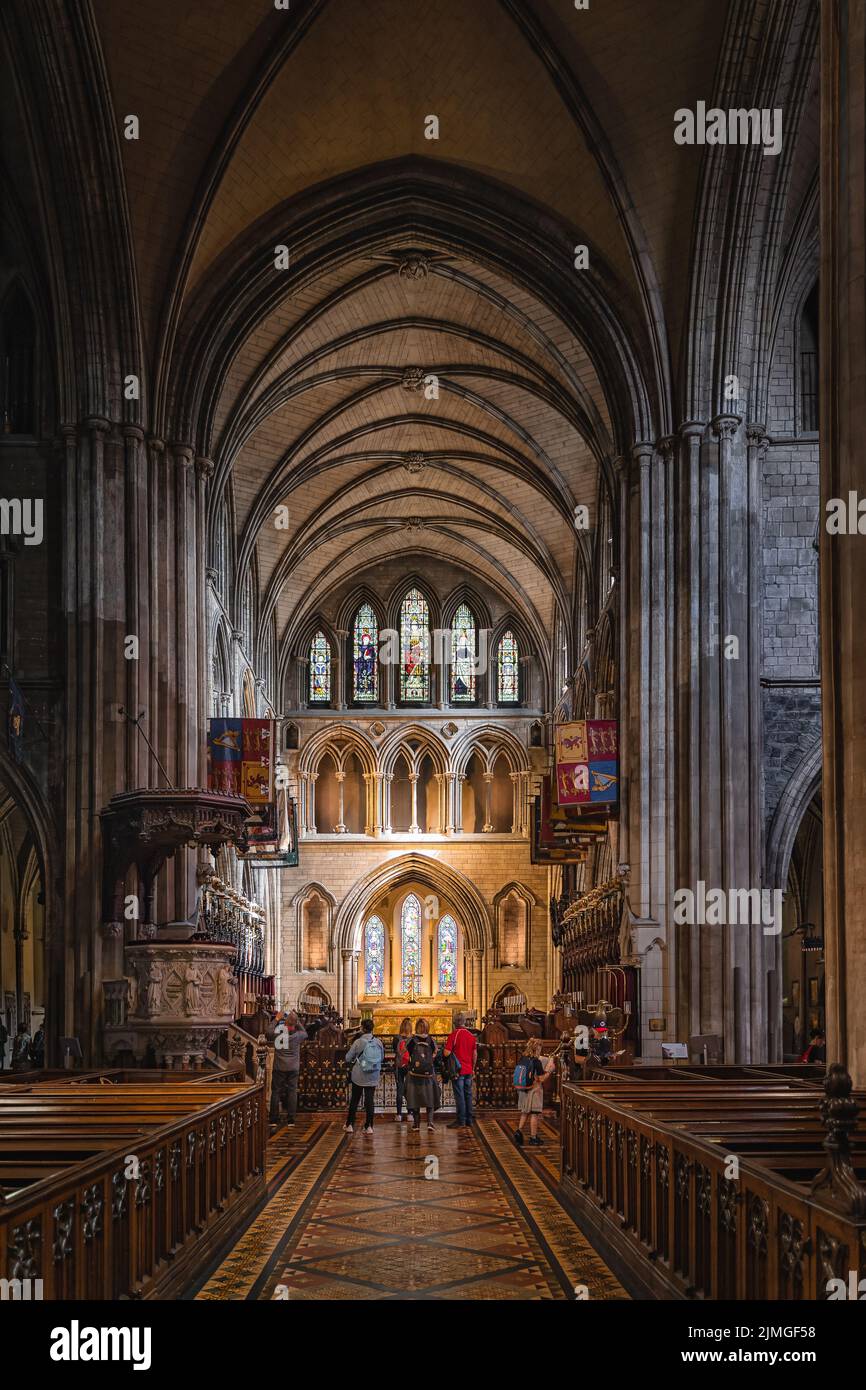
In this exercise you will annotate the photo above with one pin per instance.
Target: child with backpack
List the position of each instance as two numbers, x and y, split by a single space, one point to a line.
368 1057
528 1080
422 1086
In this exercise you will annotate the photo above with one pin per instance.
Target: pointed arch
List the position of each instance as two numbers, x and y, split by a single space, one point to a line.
337 740
488 742
414 741
465 898
789 812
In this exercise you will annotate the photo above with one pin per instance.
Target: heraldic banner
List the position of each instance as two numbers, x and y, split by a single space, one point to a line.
587 762
240 759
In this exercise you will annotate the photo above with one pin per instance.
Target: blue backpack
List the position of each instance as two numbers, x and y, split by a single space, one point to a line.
371 1055
525 1074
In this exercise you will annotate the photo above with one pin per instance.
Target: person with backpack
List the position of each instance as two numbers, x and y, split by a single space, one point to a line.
422 1087
528 1079
367 1057
460 1052
401 1066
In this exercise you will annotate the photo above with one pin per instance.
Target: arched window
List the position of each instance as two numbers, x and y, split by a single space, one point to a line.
17 363
320 670
446 955
508 670
410 944
463 657
365 666
414 648
374 956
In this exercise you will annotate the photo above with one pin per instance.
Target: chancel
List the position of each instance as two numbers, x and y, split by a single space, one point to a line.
431 598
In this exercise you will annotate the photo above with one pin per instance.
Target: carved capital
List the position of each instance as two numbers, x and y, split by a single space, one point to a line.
726 426
757 438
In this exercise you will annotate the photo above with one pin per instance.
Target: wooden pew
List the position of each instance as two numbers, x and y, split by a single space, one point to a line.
719 1186
118 1190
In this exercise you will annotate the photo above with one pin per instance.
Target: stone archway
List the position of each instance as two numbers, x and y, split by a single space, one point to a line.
456 888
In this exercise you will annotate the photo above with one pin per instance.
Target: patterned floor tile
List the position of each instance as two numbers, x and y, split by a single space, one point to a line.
446 1216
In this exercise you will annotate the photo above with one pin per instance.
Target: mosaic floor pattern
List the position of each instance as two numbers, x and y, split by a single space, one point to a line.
439 1215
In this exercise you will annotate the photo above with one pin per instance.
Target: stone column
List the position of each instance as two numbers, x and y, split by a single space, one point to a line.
204 468
340 828
459 779
724 973
843 557
356 955
488 802
308 814
442 792
414 827
476 956
387 779
338 672
346 984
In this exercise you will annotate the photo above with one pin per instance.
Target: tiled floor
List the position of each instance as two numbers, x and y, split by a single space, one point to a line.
442 1215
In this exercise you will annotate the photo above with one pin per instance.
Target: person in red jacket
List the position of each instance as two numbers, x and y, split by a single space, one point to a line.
464 1046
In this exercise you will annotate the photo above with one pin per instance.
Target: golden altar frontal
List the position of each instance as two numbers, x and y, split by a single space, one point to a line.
388 1017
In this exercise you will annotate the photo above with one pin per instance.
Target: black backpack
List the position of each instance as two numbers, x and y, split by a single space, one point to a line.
422 1057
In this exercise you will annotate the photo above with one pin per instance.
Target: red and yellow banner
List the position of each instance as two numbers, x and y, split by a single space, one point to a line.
587 762
240 758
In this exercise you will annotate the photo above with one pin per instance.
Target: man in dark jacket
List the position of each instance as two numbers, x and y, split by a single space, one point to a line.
286 1036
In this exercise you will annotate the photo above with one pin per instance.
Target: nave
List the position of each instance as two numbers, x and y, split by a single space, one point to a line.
356 1218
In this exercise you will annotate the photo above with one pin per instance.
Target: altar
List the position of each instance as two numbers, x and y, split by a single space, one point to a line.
387 1018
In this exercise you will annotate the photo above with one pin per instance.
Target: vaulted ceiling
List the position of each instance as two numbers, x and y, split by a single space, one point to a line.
431 376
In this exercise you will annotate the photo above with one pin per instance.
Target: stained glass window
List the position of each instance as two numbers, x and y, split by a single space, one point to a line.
410 943
374 956
320 670
446 949
414 648
463 656
365 666
507 670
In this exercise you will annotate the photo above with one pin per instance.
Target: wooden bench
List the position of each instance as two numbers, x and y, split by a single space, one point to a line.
722 1186
118 1190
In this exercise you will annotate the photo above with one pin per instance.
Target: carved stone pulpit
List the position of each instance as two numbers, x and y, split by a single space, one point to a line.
183 994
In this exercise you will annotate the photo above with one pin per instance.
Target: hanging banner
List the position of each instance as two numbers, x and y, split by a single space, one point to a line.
276 843
587 762
561 836
240 759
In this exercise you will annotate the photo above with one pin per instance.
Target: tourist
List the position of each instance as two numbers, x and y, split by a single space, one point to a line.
286 1036
368 1057
463 1047
529 1078
37 1047
422 1086
401 1065
817 1049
